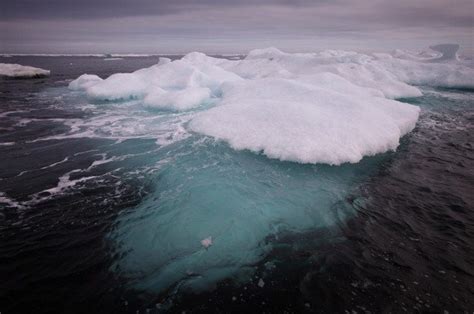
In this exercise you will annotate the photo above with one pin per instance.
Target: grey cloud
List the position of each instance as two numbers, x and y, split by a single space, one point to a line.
91 9
227 26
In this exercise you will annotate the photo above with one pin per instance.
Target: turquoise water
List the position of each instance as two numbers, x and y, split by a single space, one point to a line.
242 200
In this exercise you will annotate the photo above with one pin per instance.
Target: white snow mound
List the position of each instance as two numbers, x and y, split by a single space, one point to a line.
328 107
21 71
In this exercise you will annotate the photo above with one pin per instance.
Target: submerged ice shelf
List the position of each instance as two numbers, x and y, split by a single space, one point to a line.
215 212
215 207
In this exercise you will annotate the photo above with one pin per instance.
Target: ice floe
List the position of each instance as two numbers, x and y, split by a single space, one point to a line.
21 71
327 107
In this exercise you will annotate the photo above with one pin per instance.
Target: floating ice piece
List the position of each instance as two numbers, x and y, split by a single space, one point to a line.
261 283
207 242
21 71
329 107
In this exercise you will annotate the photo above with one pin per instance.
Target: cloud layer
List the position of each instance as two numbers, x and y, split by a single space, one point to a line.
150 26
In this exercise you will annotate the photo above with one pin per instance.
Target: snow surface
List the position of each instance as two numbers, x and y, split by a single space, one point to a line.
328 107
84 81
21 71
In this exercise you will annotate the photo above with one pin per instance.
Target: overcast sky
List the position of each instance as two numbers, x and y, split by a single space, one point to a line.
224 26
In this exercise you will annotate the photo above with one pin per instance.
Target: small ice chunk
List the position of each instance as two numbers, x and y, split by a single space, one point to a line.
261 283
207 242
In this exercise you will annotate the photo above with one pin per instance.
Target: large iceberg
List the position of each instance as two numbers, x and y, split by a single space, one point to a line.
21 71
329 107
213 212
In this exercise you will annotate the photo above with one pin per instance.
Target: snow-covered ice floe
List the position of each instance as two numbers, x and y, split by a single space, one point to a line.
21 71
328 107
213 213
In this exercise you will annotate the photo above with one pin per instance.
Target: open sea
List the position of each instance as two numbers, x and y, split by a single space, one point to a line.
103 207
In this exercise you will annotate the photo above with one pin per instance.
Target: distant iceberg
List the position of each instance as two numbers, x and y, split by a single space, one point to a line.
20 71
329 107
112 59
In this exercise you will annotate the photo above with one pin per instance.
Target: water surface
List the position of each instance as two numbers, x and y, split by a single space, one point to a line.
103 207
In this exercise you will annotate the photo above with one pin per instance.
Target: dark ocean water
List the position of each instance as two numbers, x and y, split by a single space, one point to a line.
80 183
